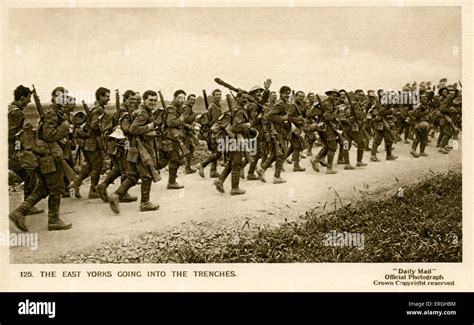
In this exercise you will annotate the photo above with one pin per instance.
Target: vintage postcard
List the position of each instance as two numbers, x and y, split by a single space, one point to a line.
236 146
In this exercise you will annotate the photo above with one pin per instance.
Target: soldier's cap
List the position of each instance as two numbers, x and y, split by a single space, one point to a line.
359 91
406 88
371 93
342 91
59 91
254 89
422 83
440 90
443 80
285 89
332 91
423 93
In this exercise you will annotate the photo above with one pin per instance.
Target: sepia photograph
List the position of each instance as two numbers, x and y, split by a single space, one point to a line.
234 135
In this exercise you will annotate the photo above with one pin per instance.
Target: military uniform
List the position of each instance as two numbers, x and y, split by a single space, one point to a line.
382 124
239 129
327 129
276 118
213 114
189 116
296 116
141 137
421 129
310 114
351 122
52 128
89 139
447 112
115 130
256 116
21 160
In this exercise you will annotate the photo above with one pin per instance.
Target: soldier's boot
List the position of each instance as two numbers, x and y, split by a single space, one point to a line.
102 187
422 150
389 156
145 204
261 173
34 210
188 169
219 182
235 182
54 223
172 184
302 155
348 165
95 177
309 152
251 173
413 149
340 156
360 155
200 169
214 173
17 216
126 198
114 198
330 169
315 164
296 162
373 153
277 176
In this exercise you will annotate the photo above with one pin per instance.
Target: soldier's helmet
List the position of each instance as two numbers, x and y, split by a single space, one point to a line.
332 91
254 89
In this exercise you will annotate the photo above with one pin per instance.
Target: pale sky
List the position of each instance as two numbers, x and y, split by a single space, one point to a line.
169 48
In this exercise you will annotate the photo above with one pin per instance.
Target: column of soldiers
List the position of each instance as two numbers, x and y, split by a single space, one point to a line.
140 138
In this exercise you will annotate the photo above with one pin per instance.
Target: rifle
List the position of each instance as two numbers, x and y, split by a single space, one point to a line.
88 112
206 102
228 86
117 100
68 171
352 111
162 99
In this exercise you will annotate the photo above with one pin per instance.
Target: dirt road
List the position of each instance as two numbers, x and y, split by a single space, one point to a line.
94 223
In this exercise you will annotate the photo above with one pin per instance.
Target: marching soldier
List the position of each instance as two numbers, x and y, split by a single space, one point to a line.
140 156
447 112
189 117
213 114
276 117
327 129
296 117
351 121
116 144
255 111
382 128
53 127
422 126
175 149
310 114
239 128
90 141
20 160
